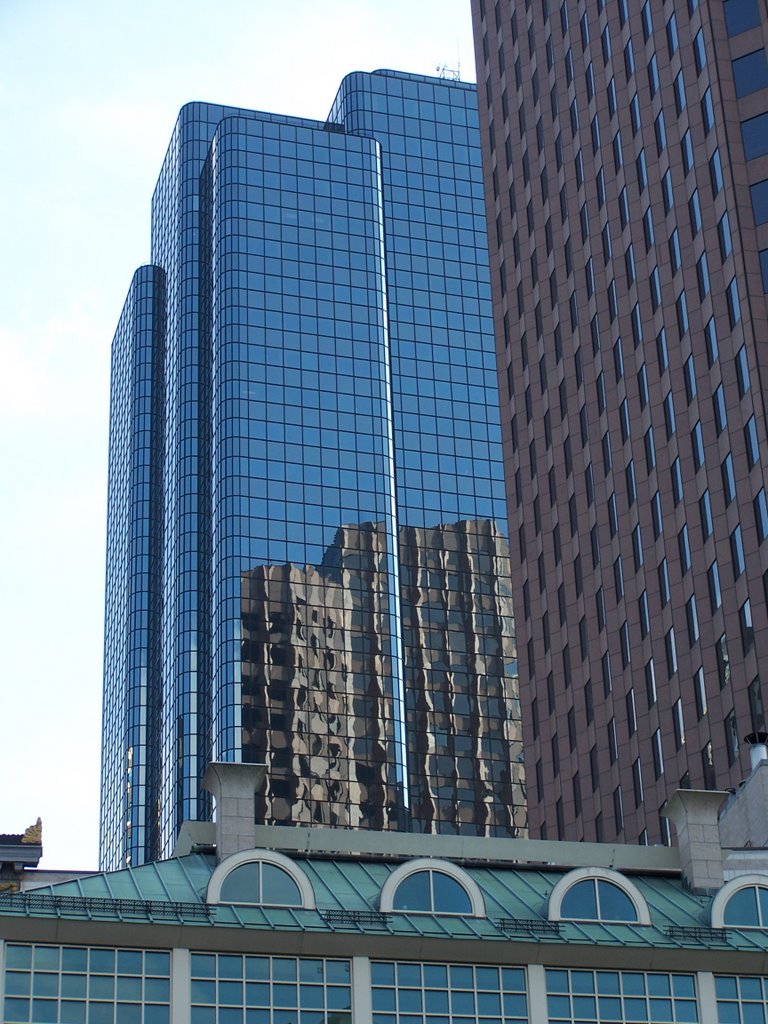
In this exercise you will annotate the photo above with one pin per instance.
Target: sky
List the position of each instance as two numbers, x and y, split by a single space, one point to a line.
89 95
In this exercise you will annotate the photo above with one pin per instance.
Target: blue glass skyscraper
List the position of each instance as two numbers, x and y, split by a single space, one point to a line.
307 562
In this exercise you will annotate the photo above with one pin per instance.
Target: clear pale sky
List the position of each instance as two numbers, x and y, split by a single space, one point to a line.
88 97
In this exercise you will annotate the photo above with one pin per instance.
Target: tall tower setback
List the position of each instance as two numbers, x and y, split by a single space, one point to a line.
626 179
307 557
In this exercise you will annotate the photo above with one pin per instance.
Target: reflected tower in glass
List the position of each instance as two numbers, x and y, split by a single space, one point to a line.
307 558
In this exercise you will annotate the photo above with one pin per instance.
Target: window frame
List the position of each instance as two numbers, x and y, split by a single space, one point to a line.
419 864
278 860
570 879
723 897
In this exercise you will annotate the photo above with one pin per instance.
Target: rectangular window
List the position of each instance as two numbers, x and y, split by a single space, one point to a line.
761 515
710 335
631 712
655 288
637 548
741 15
694 210
700 693
716 173
653 75
697 445
650 449
734 305
642 172
672 39
707 112
724 235
663 574
649 234
669 416
676 476
692 620
759 195
629 474
644 614
656 516
681 309
647 21
731 737
756 710
729 479
713 583
650 683
678 723
705 513
723 662
679 86
754 135
686 149
702 276
660 132
670 649
745 625
658 754
684 549
699 52
637 781
718 404
750 440
618 578
750 73
675 257
742 371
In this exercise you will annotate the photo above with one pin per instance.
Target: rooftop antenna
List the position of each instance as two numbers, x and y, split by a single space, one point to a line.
451 74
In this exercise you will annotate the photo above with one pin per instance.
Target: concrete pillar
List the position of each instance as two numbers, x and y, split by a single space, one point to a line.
694 812
234 788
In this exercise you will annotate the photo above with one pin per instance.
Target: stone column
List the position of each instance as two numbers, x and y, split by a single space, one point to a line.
694 813
234 788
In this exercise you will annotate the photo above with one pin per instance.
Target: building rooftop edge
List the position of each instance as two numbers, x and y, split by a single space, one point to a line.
351 842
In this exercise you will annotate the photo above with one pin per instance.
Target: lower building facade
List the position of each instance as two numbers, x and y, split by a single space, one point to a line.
251 924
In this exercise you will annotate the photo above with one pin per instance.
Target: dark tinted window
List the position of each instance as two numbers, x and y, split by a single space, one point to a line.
759 192
754 134
741 15
750 73
764 268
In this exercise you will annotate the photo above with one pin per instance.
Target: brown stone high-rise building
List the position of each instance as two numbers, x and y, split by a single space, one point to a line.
626 168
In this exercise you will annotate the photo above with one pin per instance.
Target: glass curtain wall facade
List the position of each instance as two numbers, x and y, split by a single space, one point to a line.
305 466
625 170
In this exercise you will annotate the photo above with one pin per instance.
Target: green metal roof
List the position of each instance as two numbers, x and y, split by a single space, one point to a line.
347 894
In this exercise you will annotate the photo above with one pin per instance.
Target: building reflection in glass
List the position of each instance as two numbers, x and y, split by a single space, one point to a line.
317 704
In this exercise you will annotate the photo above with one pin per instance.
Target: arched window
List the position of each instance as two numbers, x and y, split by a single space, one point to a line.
260 882
426 886
262 878
431 892
741 903
594 899
596 894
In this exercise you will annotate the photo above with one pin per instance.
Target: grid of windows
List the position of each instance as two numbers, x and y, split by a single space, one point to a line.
607 996
78 984
741 1000
231 989
643 273
331 458
415 993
